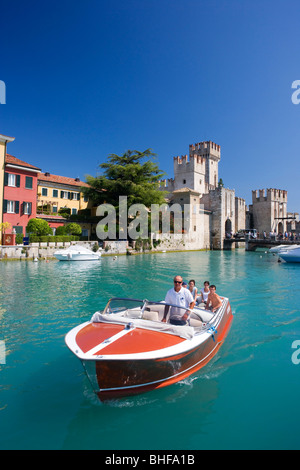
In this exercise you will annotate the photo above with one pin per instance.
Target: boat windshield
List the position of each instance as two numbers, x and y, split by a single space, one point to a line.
117 305
153 311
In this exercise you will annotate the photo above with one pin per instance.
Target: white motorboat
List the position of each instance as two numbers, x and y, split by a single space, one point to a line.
279 248
291 256
77 253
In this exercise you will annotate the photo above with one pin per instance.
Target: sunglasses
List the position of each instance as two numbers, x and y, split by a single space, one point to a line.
177 282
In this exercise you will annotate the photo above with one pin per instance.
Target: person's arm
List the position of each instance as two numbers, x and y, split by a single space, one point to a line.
187 313
218 305
207 302
164 319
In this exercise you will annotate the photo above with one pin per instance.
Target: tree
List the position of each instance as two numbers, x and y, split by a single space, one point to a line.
73 229
220 184
38 226
133 174
3 227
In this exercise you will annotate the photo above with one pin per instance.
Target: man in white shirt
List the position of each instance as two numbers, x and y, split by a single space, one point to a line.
182 298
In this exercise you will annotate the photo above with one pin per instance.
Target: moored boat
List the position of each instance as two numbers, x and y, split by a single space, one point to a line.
277 249
291 256
127 349
76 253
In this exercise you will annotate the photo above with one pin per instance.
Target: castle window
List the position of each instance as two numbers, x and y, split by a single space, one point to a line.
184 181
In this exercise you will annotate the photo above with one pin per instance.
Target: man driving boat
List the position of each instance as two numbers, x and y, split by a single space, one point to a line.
181 297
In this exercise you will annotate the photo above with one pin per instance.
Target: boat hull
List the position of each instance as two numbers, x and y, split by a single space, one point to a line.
75 257
124 376
291 256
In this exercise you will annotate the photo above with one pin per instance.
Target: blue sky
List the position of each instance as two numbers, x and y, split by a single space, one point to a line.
86 79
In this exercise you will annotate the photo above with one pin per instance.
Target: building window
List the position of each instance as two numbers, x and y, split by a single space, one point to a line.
64 194
11 207
55 193
28 182
11 180
54 209
74 211
27 208
184 181
18 229
76 196
44 191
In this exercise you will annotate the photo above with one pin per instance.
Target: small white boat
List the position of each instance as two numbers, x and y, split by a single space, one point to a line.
279 248
291 256
77 253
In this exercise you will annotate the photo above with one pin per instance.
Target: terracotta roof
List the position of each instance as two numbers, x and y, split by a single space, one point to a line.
16 161
185 190
61 180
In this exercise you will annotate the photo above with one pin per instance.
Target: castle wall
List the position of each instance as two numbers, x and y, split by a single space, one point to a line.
240 214
269 209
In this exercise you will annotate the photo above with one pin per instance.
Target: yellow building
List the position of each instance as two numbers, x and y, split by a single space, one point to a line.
4 140
56 193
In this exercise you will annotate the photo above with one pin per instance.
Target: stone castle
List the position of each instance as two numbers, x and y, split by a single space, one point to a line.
216 211
196 182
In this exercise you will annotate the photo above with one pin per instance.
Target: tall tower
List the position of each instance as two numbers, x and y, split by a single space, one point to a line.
199 171
211 154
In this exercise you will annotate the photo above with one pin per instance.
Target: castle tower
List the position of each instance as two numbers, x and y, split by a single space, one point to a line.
199 171
269 209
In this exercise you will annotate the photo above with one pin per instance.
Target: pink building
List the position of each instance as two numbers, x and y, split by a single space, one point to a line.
20 193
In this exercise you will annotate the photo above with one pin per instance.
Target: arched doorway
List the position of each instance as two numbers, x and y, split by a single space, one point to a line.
228 227
280 228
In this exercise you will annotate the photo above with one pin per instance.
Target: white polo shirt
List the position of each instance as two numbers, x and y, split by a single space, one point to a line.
183 298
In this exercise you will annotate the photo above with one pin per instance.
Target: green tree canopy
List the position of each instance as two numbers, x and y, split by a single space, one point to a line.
73 229
39 227
133 174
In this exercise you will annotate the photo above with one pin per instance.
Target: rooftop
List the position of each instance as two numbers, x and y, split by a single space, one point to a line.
47 177
11 160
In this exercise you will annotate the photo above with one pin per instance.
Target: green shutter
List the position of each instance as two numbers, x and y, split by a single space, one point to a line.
17 205
17 181
5 206
5 179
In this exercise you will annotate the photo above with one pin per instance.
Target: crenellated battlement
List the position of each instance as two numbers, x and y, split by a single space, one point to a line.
206 149
270 195
192 159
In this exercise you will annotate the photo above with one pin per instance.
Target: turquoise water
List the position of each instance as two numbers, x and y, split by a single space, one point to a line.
246 398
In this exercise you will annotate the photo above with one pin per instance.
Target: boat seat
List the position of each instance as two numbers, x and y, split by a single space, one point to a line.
195 322
133 313
150 315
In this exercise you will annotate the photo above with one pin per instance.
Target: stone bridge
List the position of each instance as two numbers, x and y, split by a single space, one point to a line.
252 243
